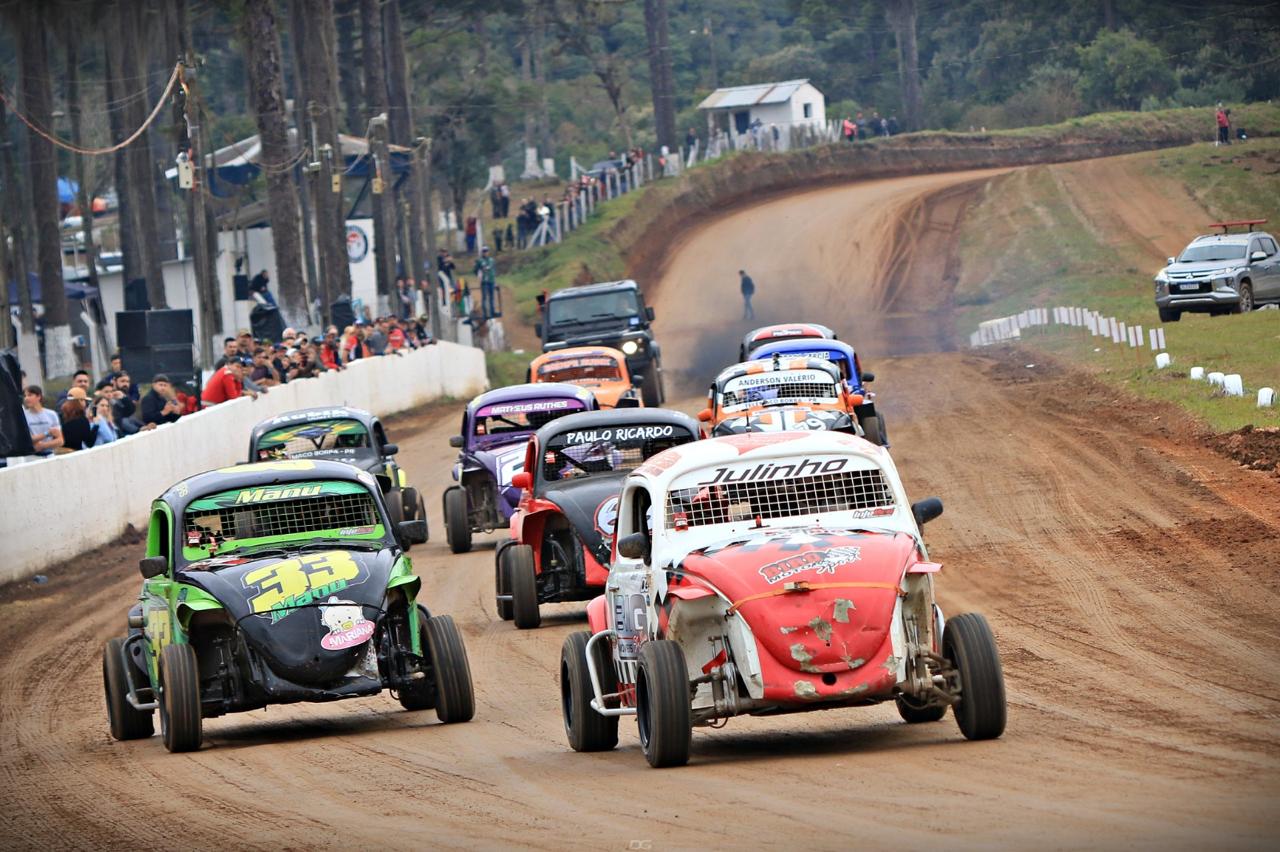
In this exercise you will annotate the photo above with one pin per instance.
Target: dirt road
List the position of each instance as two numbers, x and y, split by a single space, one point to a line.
1130 579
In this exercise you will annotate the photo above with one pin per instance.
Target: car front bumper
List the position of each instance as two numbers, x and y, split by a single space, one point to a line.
1221 295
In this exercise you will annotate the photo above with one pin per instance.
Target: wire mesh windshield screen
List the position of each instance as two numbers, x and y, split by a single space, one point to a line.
778 388
584 452
296 509
720 501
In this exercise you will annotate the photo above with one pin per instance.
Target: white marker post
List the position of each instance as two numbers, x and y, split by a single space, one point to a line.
1266 397
1233 384
1197 374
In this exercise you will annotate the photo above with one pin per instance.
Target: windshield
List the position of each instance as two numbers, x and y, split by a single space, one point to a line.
1212 251
834 357
318 438
610 449
503 422
598 307
580 369
296 512
778 388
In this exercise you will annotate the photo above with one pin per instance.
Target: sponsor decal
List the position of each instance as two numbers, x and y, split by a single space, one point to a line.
872 513
346 622
770 471
818 561
326 414
520 407
357 244
606 520
355 531
780 377
284 586
620 433
261 495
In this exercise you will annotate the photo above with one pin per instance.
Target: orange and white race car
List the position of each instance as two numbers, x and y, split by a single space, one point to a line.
781 395
600 369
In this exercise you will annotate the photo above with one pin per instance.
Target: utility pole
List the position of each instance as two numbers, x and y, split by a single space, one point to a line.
711 49
14 218
384 240
423 150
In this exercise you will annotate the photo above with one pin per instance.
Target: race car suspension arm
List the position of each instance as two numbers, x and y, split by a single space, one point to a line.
130 671
598 702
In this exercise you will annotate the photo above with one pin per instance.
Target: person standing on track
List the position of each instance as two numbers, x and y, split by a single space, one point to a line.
748 288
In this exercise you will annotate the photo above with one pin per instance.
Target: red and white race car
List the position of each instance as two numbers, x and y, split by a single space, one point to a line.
771 573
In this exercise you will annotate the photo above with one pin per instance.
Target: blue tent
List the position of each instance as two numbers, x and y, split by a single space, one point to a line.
73 289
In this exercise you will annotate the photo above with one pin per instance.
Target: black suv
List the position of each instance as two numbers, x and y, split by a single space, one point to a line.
609 314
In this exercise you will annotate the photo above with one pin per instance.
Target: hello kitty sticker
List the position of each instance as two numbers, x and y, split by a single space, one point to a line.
347 625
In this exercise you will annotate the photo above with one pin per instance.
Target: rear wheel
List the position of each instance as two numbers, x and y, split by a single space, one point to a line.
415 509
1245 304
127 723
587 729
500 585
457 524
873 429
180 722
913 711
421 694
651 389
1170 314
969 645
662 704
522 583
395 508
455 700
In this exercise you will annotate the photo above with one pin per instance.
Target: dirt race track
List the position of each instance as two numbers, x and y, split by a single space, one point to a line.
1129 575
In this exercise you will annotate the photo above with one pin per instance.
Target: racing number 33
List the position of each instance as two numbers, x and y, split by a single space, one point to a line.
293 578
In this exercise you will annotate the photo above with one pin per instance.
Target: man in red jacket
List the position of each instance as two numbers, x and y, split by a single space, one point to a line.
227 383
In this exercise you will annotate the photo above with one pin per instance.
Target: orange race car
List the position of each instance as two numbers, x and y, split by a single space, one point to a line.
600 369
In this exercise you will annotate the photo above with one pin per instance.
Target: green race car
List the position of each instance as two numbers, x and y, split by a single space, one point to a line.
273 583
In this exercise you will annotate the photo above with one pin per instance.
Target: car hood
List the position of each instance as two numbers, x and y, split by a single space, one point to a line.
1203 266
338 595
590 504
791 419
843 617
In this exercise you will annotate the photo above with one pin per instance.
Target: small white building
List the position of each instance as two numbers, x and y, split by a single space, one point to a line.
786 105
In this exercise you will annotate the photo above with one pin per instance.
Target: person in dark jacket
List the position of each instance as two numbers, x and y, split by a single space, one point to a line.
748 288
160 404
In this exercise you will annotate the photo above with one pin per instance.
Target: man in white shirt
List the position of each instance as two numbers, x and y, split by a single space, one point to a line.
46 428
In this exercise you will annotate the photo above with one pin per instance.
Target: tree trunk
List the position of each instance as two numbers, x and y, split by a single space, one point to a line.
661 83
75 108
346 14
141 185
546 140
266 95
306 188
526 73
375 92
37 100
901 15
126 234
402 130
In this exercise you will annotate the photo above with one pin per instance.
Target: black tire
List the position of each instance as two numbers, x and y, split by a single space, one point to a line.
127 723
587 730
873 428
455 699
1170 314
967 642
651 389
913 713
421 694
420 513
500 585
457 524
1245 305
662 704
180 722
395 508
522 583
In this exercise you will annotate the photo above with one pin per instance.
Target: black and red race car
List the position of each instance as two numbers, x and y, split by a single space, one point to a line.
562 531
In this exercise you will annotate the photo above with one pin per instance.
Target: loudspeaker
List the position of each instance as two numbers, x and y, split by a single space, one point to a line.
240 283
172 360
135 295
168 328
137 362
131 329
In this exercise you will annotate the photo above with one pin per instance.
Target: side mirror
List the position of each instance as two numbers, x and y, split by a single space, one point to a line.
926 510
390 449
628 402
537 329
522 480
634 546
648 314
1170 261
637 380
868 376
152 566
412 532
1257 256
705 415
541 299
455 441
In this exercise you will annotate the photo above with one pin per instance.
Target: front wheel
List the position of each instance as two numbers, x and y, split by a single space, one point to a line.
127 722
180 721
587 729
651 389
500 585
873 428
457 523
522 583
416 509
967 642
1170 314
662 704
1245 303
395 508
421 693
455 700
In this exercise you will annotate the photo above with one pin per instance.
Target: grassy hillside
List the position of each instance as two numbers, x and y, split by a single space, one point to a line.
1052 236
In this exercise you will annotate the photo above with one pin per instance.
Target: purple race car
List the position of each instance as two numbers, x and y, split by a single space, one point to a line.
495 428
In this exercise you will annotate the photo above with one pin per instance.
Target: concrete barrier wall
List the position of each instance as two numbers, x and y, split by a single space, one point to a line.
57 508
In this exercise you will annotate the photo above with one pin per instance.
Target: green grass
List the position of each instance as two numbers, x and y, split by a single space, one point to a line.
506 368
1026 245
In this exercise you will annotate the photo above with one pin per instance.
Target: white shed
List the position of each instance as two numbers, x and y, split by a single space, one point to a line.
793 103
